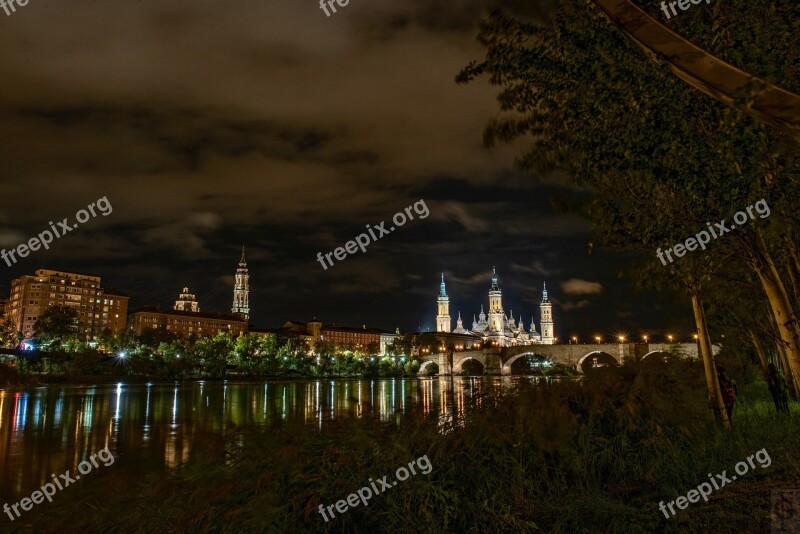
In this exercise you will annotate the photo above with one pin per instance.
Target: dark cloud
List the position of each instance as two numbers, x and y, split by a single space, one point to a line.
212 124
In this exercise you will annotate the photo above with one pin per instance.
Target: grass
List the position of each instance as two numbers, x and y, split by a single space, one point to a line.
567 457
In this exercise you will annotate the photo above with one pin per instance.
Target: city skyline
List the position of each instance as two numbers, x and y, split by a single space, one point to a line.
188 303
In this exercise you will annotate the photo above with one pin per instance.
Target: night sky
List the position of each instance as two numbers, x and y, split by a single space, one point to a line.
210 125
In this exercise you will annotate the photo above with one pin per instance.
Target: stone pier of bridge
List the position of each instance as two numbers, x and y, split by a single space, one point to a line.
498 361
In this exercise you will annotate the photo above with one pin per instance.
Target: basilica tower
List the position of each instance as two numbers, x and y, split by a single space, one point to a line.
496 314
443 318
241 290
548 337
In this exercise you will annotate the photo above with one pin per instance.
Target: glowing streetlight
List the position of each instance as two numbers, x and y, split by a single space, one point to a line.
695 337
645 338
575 339
122 354
621 339
598 339
669 336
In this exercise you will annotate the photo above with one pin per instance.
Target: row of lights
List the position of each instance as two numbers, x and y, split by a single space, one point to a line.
621 338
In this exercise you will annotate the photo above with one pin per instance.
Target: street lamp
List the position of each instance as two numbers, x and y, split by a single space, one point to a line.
598 339
669 336
645 338
621 339
575 339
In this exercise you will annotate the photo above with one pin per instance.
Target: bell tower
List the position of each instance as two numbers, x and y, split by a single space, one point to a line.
241 290
496 314
548 337
443 318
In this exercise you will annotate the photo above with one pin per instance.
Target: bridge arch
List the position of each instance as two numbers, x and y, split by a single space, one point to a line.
507 370
425 368
596 358
459 364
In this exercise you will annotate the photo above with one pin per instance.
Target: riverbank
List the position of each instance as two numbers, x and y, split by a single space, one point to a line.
603 452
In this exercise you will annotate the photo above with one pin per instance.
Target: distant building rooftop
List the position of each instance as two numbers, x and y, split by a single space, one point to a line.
171 311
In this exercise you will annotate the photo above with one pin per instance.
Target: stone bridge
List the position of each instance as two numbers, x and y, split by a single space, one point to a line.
498 361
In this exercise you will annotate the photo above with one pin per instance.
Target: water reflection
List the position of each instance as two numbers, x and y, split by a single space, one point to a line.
155 426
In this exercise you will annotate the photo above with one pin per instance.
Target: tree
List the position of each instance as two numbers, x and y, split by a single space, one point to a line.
215 353
588 101
57 325
54 330
245 350
9 336
176 357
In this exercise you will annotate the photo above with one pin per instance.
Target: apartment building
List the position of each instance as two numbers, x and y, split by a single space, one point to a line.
97 308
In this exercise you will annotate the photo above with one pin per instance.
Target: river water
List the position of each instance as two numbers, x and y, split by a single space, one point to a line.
158 426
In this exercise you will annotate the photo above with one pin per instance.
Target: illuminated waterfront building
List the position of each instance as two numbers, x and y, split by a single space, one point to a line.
496 328
184 324
356 337
97 308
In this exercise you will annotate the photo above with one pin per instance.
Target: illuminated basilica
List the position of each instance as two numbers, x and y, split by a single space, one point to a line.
497 328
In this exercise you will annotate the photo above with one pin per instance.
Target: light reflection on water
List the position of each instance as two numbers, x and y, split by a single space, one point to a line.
154 426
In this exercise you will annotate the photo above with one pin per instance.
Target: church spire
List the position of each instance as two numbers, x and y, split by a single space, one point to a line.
546 309
443 305
494 280
241 290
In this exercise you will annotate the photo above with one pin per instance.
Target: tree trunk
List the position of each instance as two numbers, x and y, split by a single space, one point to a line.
779 303
715 401
791 379
762 359
762 356
793 265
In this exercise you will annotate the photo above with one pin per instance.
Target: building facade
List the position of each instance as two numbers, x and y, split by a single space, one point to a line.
355 337
97 308
497 328
186 323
